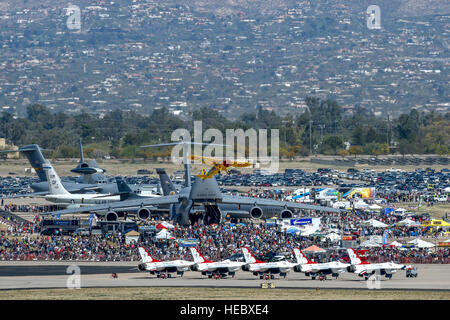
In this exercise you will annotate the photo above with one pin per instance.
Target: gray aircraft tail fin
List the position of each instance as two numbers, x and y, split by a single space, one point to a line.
35 157
166 184
90 172
81 152
124 189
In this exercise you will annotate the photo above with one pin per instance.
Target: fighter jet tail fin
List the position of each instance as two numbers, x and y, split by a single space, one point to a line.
300 257
354 258
198 258
248 256
145 256
124 189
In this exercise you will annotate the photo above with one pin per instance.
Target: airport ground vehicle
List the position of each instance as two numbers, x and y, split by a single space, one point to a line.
412 273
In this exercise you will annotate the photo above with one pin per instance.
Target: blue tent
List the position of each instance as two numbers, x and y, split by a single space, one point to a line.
292 230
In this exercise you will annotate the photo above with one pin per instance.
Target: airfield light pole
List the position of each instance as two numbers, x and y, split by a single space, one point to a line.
388 131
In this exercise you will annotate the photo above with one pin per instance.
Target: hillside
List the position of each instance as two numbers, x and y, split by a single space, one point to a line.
232 56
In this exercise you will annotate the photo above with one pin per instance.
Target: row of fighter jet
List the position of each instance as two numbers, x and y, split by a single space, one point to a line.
266 270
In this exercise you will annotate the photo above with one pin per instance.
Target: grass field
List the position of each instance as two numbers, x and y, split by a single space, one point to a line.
129 167
437 211
167 293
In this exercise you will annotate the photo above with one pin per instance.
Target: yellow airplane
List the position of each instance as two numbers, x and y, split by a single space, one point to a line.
217 166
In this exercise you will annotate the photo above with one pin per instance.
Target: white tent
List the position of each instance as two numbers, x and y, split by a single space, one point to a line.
369 244
374 223
332 236
400 211
395 244
131 236
361 205
421 243
408 222
307 231
341 204
164 234
375 207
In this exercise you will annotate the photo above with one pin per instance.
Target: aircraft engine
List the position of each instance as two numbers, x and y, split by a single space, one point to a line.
111 216
256 213
245 267
143 214
286 214
141 267
351 268
297 269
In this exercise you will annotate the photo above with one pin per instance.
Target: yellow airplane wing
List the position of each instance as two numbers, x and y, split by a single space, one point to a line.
217 166
239 164
209 161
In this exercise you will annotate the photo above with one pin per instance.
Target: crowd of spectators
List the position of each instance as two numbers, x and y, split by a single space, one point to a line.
214 242
92 248
10 207
20 240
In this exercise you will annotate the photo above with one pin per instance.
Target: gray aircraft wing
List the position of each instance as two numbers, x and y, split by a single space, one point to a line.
93 188
121 205
226 199
42 194
26 195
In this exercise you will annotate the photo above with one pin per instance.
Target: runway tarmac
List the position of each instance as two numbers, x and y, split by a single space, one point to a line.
33 275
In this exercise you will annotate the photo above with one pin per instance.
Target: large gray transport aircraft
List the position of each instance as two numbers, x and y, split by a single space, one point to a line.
203 199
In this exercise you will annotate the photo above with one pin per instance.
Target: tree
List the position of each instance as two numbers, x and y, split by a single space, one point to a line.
343 153
332 142
355 150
